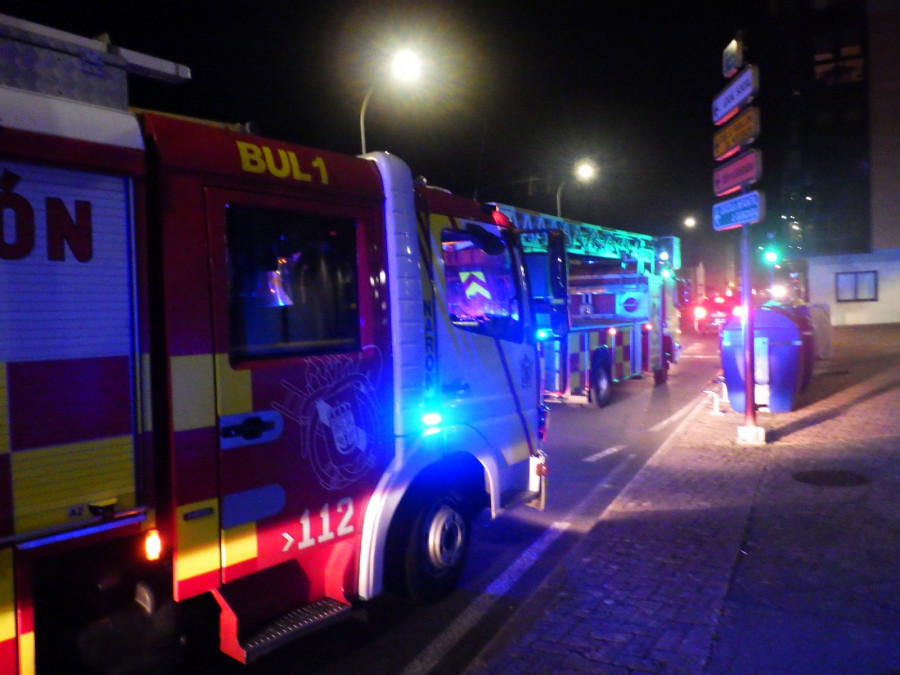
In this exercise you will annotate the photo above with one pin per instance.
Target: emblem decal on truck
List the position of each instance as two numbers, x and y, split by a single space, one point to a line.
339 415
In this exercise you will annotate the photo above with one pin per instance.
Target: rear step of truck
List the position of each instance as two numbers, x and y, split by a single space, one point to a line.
263 611
290 626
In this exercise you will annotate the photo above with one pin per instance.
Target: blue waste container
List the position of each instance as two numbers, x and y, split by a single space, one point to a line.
778 355
799 312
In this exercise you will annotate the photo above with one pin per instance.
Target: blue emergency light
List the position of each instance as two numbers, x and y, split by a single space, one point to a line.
431 419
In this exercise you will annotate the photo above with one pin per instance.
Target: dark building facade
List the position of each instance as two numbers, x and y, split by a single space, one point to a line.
816 134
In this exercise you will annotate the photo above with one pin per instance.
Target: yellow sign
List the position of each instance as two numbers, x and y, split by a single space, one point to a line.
743 129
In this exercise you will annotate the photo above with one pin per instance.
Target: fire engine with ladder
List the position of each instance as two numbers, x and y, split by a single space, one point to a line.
621 316
237 375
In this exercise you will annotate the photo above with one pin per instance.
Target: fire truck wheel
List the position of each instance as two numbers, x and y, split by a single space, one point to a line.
436 543
601 386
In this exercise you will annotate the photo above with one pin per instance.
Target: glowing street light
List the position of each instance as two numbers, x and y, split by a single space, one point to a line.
584 171
406 66
690 222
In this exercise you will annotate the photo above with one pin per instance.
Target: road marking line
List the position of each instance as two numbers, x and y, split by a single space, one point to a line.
604 453
672 418
430 657
426 661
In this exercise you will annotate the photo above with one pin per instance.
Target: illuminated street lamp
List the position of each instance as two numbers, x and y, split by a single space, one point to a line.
406 66
690 222
584 171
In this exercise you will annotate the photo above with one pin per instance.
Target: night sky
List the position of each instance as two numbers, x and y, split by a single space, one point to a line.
514 92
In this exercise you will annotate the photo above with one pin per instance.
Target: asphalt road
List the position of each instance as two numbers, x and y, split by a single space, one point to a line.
593 453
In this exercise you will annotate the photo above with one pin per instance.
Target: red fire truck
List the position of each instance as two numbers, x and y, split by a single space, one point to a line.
235 373
621 316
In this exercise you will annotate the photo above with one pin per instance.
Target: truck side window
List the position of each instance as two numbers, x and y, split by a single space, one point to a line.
481 284
292 284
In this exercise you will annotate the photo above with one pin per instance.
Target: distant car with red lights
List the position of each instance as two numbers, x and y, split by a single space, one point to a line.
710 314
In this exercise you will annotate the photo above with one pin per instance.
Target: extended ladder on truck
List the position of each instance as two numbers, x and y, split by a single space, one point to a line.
621 317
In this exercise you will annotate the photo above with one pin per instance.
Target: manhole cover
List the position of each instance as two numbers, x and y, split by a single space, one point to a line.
831 478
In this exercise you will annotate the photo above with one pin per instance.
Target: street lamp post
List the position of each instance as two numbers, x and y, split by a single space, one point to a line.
584 171
362 117
406 67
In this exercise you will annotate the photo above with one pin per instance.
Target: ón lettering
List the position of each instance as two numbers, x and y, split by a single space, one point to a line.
17 226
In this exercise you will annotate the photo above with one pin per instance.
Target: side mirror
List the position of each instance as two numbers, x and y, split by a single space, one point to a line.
558 268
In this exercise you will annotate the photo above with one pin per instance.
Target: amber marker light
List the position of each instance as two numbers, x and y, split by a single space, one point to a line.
152 544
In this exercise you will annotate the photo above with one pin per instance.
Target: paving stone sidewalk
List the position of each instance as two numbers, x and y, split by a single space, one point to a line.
734 559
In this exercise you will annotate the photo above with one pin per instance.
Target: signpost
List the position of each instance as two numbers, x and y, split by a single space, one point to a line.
746 208
739 211
738 93
738 173
733 57
742 130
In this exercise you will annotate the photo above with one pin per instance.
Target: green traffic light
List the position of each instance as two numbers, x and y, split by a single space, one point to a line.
771 256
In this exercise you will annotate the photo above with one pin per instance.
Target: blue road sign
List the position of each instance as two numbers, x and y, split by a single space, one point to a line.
742 210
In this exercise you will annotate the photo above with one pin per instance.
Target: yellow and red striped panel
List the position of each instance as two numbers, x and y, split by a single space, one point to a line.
195 475
16 624
66 440
205 386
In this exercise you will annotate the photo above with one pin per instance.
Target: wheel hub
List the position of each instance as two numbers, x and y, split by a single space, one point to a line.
446 538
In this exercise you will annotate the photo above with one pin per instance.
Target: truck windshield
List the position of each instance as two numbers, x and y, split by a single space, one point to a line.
481 284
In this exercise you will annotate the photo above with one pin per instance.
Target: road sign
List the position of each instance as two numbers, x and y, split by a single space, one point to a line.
741 130
732 58
738 173
739 91
743 210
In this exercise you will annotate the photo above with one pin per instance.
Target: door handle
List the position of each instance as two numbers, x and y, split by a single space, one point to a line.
249 428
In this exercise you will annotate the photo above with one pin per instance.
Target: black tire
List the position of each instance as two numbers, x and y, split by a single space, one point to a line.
433 531
601 385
